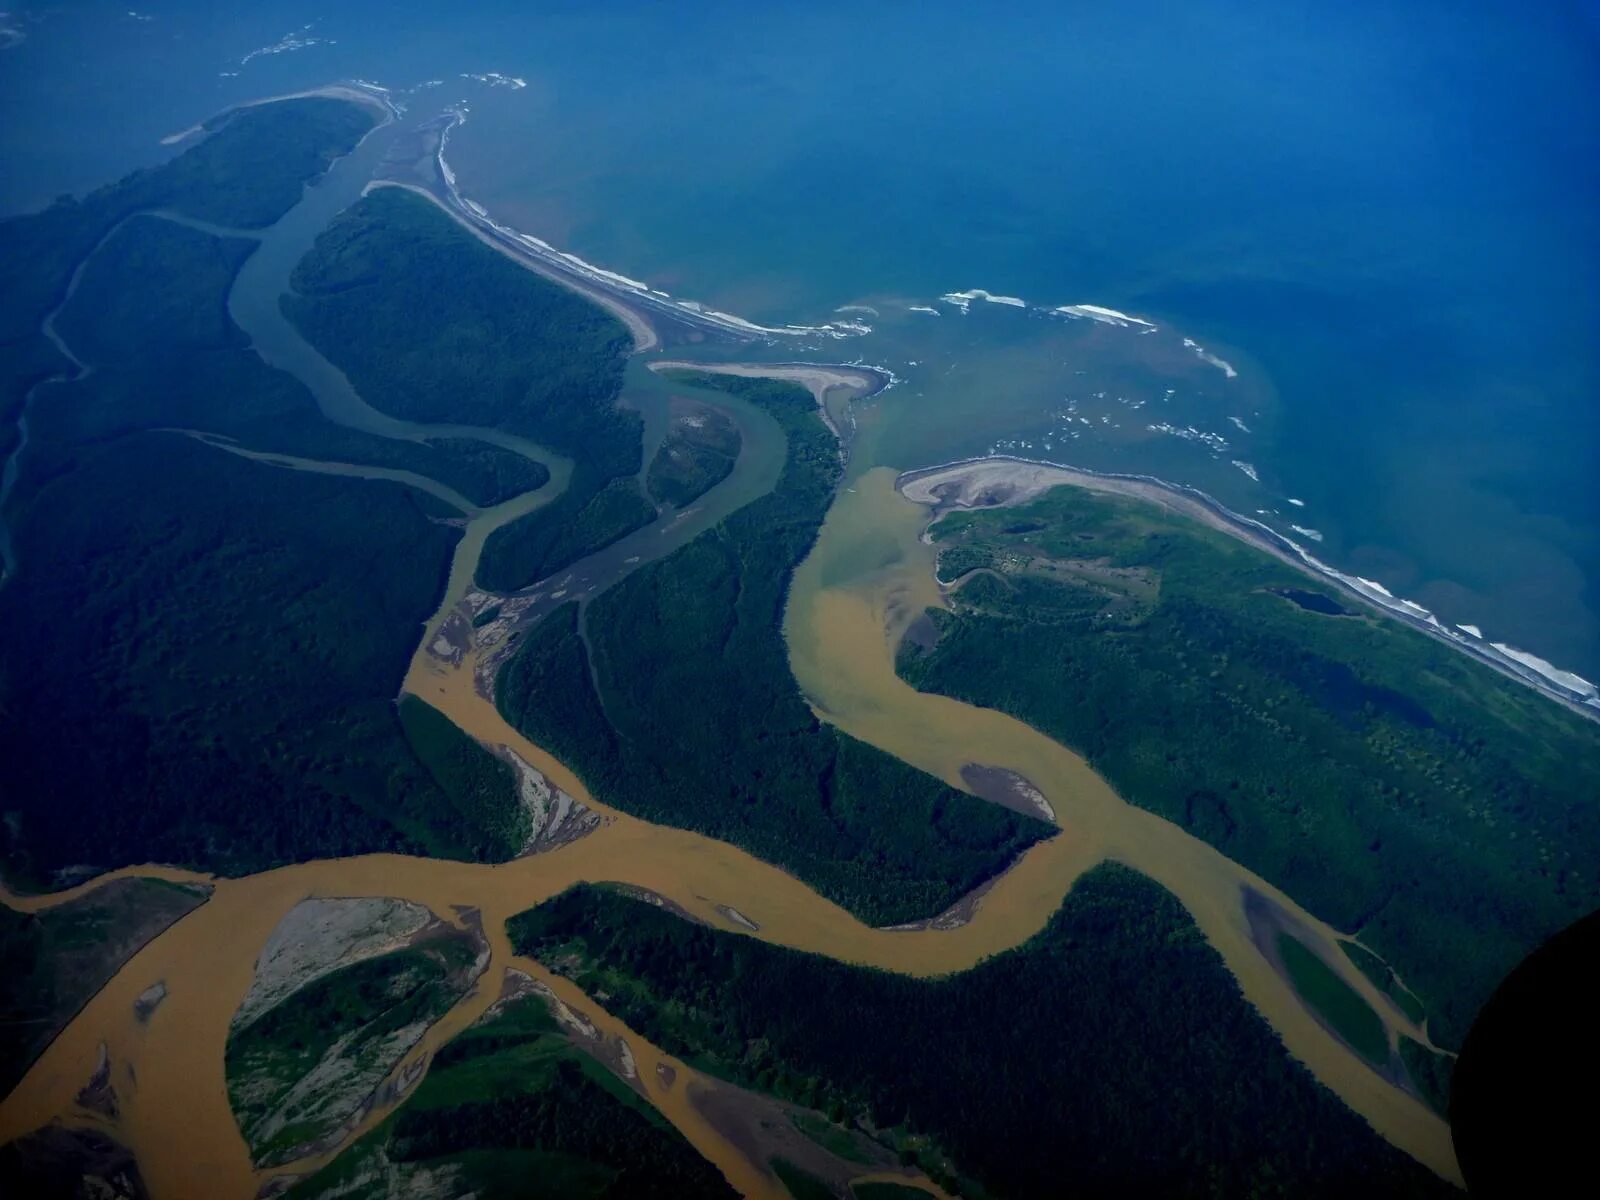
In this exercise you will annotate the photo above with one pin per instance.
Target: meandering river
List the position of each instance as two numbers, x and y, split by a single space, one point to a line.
867 577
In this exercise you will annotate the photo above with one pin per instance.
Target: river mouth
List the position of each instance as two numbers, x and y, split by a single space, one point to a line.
868 579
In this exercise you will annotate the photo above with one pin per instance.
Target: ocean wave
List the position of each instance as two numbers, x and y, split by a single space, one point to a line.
1248 469
1188 433
298 39
1530 668
1567 679
496 79
923 308
1243 428
1204 355
1295 502
1106 316
963 300
1314 534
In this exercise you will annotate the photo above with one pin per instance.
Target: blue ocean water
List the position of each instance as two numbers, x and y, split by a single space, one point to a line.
1385 215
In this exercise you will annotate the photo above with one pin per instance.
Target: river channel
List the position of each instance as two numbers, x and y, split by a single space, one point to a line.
867 577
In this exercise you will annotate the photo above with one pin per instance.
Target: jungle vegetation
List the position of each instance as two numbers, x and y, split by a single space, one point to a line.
747 761
697 453
981 1077
1395 787
509 1110
246 173
208 649
432 325
149 319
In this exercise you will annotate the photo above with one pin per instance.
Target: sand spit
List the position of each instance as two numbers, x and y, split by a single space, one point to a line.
817 378
632 294
353 92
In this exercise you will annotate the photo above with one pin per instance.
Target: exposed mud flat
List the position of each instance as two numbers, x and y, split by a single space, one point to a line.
1268 921
657 900
1008 789
318 936
554 817
149 1000
764 1129
962 912
737 919
98 1095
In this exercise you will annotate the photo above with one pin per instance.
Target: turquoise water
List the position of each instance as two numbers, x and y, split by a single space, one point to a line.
1384 220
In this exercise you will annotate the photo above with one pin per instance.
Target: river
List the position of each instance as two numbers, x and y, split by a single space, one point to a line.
867 576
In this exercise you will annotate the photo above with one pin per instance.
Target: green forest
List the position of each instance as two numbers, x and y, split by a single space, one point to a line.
247 173
480 787
212 652
212 647
697 453
432 325
509 1110
149 316
747 761
1393 786
1110 1055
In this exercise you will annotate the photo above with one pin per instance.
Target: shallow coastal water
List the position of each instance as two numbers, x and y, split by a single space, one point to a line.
1381 218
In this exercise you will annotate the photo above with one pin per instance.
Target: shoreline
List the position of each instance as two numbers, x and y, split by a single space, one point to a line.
353 93
640 330
1194 503
619 287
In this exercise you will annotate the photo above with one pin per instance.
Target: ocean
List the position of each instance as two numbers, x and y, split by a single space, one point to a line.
1377 223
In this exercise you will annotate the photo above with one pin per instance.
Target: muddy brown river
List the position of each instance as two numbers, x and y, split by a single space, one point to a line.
868 574
866 578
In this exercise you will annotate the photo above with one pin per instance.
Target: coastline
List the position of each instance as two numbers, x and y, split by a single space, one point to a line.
350 92
642 332
1037 476
594 279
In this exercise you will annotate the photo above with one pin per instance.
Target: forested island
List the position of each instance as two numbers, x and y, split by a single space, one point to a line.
748 761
